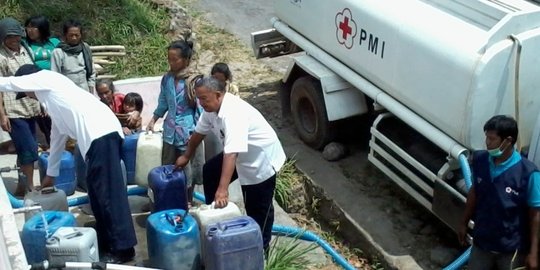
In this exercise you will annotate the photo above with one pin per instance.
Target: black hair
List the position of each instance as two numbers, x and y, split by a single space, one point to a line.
212 84
135 99
27 69
222 68
184 47
42 24
107 82
505 126
72 23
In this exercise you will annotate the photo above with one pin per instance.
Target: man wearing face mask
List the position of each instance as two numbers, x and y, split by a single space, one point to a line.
503 202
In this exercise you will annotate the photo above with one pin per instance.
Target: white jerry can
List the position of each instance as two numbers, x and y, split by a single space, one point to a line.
70 244
206 215
149 148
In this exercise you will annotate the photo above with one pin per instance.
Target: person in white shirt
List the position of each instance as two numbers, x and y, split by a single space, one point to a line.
252 152
78 114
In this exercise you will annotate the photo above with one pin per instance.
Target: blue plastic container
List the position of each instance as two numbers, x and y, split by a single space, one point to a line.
66 180
234 244
129 155
173 240
35 233
169 188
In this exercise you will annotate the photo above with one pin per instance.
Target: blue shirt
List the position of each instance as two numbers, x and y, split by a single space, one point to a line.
181 118
534 180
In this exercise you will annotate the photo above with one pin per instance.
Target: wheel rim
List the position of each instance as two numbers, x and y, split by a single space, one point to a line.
307 117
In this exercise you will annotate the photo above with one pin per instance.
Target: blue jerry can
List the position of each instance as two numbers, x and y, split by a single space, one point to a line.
38 228
173 240
66 179
129 155
234 244
169 188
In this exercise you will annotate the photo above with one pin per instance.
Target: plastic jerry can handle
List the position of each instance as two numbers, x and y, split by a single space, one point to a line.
237 224
168 171
49 190
213 206
73 234
147 135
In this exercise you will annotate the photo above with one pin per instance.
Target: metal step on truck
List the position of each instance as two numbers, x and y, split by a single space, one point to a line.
432 71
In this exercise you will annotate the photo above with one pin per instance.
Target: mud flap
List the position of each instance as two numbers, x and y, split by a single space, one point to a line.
448 204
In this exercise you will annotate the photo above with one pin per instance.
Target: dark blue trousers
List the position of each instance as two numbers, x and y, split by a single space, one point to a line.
108 195
23 135
257 198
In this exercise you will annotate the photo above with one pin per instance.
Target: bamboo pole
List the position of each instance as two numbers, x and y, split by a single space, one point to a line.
109 53
108 47
103 61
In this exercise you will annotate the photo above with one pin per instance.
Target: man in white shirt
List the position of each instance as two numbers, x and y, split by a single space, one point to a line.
252 152
78 114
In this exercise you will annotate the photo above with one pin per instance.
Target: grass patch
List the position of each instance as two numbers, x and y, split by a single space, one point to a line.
139 25
285 182
288 254
142 27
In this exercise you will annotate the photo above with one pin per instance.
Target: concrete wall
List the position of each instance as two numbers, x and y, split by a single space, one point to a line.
12 254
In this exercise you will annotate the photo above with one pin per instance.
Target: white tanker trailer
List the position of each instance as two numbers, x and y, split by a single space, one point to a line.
433 71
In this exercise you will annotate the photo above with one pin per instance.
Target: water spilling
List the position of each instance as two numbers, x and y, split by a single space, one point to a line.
45 225
28 202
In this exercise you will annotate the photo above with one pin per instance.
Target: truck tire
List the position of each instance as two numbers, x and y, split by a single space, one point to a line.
309 113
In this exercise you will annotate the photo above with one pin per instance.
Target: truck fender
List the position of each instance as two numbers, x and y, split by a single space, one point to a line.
316 97
341 99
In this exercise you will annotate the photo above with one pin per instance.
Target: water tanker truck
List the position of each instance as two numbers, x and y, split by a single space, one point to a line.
431 71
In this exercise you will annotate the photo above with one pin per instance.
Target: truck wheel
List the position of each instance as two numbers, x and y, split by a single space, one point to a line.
309 113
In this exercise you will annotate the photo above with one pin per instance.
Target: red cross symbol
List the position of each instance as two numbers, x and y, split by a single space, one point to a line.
344 26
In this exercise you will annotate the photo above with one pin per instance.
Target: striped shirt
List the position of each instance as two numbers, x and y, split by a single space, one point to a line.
9 64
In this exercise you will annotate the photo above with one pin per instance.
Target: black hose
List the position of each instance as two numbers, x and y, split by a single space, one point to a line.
44 265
